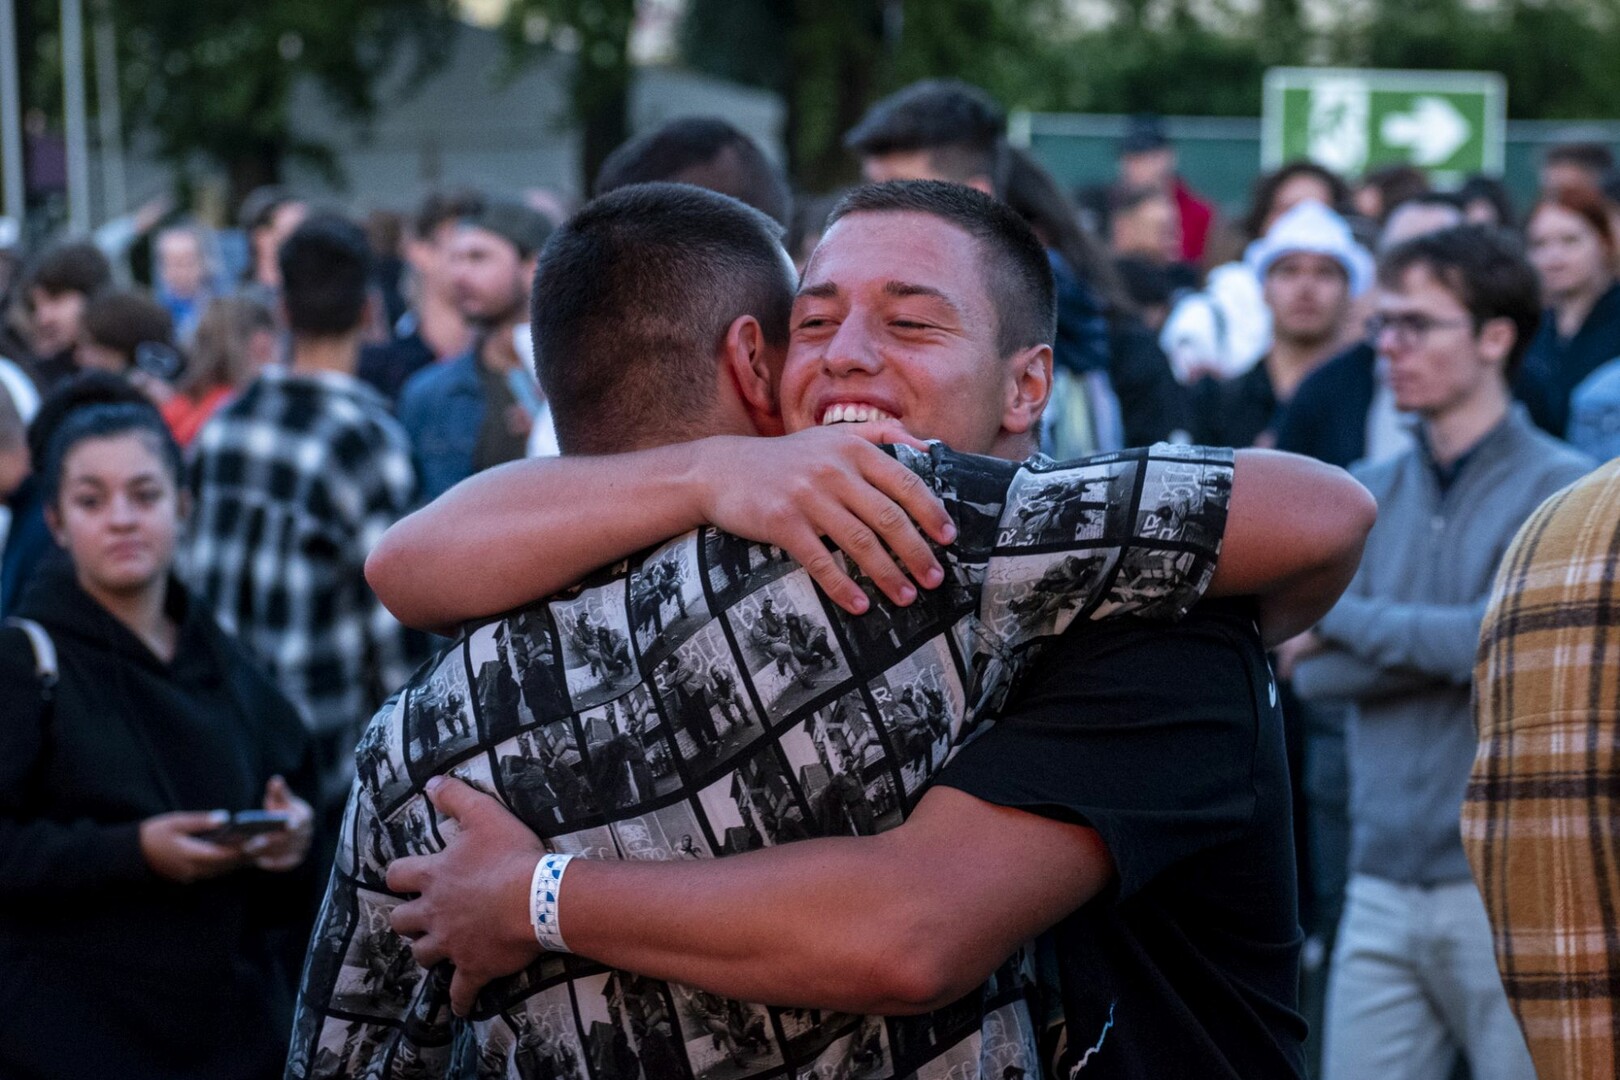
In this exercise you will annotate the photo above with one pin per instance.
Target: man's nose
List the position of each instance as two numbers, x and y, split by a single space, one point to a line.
853 349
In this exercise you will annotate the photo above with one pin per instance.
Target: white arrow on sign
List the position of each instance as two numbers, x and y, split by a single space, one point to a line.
1434 130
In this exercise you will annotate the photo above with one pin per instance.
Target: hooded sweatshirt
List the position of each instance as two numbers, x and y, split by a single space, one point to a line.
105 968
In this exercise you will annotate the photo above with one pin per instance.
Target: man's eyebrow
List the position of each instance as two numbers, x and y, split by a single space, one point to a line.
824 290
906 288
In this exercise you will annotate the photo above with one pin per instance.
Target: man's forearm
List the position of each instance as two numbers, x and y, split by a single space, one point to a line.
542 522
1336 675
1441 640
880 924
817 924
888 923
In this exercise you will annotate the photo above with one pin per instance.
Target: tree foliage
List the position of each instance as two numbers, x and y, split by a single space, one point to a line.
830 58
597 34
215 79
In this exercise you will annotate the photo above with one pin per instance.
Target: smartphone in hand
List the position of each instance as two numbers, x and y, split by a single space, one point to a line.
246 824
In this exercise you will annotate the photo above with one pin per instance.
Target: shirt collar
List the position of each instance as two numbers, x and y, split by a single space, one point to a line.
1446 475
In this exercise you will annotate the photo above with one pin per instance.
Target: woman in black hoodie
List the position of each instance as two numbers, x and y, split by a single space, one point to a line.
132 944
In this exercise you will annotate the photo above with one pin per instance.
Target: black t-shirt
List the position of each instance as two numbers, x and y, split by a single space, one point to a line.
1167 741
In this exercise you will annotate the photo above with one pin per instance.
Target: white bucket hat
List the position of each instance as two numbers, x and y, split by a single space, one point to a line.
1312 227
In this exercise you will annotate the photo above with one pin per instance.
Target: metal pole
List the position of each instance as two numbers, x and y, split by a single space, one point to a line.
11 138
76 118
109 116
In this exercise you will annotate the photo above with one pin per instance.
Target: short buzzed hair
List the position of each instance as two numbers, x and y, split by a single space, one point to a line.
632 299
704 151
1018 275
1485 268
325 273
959 124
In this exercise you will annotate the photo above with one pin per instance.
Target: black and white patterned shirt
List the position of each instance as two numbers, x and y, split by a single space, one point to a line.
706 699
295 482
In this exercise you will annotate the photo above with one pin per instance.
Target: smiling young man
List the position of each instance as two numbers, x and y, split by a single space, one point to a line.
841 739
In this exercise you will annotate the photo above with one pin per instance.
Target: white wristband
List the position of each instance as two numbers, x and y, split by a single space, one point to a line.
544 888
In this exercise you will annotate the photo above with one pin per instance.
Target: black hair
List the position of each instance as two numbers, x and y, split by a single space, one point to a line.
442 208
1268 184
1446 199
1594 156
1485 268
1019 279
959 124
706 152
125 319
1491 190
78 267
1396 184
633 296
83 390
325 270
107 421
1036 197
259 207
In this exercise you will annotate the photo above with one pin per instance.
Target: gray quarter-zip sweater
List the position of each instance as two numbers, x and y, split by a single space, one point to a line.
1402 640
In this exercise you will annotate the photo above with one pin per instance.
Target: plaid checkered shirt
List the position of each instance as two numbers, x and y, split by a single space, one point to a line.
295 482
1539 822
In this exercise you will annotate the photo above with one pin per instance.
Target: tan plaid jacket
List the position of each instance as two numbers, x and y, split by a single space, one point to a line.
1539 822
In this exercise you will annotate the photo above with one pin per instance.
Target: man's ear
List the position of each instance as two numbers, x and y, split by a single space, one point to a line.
182 505
981 183
1496 338
753 368
1029 387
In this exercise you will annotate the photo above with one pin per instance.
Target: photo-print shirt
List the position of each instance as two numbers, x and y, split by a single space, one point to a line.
705 699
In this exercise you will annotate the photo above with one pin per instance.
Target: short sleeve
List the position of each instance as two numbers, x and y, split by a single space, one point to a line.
1132 533
1144 733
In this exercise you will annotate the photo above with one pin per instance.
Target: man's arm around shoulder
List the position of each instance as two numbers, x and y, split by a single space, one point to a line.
901 922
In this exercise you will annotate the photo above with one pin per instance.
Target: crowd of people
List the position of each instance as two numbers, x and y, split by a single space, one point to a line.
1018 791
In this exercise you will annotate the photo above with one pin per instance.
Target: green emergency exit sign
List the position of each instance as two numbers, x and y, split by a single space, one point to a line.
1448 122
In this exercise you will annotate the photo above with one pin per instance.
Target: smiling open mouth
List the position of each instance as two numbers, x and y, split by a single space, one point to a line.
853 414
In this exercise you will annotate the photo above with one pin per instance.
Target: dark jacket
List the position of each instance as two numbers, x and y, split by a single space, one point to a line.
1554 366
442 409
1236 411
1095 338
28 542
106 969
1150 400
389 365
1327 416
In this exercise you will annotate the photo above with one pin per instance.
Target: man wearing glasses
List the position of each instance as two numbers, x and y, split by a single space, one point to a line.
1414 979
